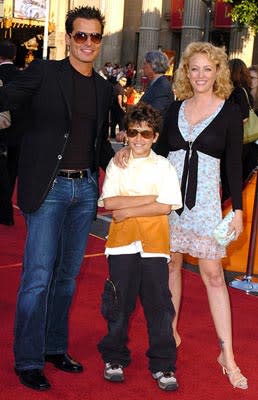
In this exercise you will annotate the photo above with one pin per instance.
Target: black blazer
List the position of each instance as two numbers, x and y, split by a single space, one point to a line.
47 87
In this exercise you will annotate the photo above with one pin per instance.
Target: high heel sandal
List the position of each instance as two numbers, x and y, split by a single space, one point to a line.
235 377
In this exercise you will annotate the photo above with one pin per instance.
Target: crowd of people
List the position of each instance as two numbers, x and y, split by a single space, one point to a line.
163 189
114 72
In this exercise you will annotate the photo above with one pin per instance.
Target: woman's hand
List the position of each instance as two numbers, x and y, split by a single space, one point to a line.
236 223
121 157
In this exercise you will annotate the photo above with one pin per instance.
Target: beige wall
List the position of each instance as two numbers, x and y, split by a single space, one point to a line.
136 26
241 45
76 3
126 18
56 39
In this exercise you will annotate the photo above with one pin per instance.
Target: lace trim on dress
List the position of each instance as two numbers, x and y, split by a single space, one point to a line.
186 241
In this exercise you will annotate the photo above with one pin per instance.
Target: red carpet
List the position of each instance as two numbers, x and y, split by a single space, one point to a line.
198 373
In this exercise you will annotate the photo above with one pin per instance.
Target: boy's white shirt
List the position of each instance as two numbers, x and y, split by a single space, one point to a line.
152 175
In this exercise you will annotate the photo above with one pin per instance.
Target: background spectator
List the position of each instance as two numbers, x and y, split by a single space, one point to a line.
130 73
254 86
158 93
241 78
118 107
10 139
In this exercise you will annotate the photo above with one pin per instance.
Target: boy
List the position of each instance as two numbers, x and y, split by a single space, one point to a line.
140 196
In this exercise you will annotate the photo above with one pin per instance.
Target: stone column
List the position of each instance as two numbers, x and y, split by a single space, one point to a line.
165 37
132 21
112 40
193 22
149 29
241 45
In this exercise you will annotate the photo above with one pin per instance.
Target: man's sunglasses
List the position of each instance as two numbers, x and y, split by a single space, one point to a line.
146 134
82 37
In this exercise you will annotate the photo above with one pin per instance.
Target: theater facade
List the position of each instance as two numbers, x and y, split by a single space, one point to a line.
132 28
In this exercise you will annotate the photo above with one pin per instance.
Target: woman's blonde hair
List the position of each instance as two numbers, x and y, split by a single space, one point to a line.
217 55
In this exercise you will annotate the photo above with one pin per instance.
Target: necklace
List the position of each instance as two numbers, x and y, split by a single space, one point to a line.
195 113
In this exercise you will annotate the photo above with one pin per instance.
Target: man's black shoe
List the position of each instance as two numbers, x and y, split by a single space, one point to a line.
33 378
64 362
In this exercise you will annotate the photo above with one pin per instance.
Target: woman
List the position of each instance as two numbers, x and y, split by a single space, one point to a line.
254 86
198 130
241 79
254 93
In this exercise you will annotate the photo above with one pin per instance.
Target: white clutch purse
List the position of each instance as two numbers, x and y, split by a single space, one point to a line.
220 233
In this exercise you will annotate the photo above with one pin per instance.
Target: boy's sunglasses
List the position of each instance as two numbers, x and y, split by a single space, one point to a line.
82 37
145 134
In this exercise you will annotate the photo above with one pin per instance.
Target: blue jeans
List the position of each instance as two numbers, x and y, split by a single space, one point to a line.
56 238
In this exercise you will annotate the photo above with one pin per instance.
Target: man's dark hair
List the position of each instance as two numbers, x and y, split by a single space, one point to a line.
7 49
143 112
83 12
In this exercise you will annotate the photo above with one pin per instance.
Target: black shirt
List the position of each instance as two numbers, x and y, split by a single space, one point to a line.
80 147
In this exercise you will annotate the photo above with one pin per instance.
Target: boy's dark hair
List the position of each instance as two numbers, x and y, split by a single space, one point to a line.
143 112
7 49
83 12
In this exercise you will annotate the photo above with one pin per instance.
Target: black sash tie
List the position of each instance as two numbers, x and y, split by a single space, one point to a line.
189 177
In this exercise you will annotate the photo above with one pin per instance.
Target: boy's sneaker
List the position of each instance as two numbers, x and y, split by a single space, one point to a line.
114 372
166 380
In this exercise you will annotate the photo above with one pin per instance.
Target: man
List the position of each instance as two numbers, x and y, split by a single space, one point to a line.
63 146
10 138
158 93
118 106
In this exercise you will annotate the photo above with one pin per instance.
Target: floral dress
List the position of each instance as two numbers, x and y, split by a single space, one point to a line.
192 231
